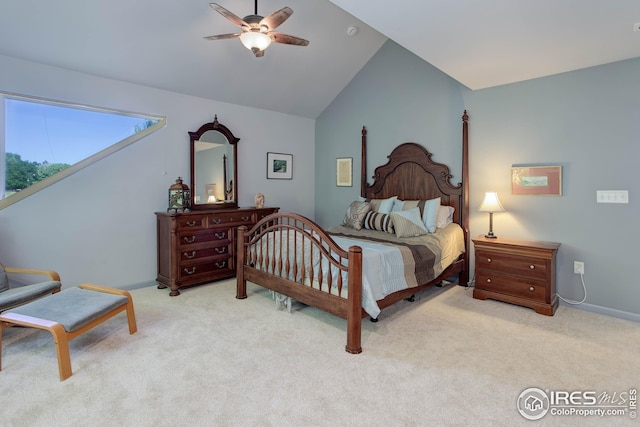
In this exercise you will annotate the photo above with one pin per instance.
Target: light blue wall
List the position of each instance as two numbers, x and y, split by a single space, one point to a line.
98 225
586 121
398 98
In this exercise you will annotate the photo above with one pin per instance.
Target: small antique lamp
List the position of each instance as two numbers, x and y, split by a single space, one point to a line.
179 197
491 204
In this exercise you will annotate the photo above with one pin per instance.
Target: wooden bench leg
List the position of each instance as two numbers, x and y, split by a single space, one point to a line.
60 337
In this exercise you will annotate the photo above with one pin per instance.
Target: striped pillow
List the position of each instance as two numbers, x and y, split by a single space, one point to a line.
378 221
408 223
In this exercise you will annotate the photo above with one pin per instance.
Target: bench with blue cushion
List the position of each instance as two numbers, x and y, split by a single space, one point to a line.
68 314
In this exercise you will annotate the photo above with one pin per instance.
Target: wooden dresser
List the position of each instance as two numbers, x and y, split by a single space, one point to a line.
516 271
199 246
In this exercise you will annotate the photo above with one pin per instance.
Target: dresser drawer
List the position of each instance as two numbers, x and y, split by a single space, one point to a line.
534 268
195 271
512 285
213 236
191 222
240 217
188 254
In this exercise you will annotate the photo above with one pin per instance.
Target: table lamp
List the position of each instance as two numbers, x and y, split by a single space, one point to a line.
491 204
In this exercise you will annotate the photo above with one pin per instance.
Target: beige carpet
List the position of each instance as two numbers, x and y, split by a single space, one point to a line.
206 359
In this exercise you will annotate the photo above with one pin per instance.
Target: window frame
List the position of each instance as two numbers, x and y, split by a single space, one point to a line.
76 167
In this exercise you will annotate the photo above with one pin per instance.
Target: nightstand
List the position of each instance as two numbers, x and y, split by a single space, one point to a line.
517 271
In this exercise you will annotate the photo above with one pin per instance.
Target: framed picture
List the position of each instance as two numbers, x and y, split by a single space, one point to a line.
536 180
279 166
344 169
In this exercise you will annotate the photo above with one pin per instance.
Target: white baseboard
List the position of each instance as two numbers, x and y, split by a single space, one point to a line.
606 311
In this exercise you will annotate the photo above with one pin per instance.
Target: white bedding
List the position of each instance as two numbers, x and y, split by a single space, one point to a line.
383 270
382 265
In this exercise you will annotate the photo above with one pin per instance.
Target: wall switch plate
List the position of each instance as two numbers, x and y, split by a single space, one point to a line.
612 196
578 267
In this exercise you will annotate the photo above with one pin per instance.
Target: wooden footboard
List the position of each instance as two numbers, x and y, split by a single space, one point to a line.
292 255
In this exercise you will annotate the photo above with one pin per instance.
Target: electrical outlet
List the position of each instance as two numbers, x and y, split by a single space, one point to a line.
578 267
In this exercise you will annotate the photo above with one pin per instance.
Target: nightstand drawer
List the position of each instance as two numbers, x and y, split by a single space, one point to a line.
512 285
534 268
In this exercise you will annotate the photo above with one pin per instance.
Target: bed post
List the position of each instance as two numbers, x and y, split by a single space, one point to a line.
363 163
354 309
464 275
241 283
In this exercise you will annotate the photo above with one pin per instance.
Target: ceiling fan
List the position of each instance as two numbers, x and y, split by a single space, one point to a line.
257 31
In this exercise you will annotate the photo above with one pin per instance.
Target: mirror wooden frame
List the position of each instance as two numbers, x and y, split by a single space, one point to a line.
233 190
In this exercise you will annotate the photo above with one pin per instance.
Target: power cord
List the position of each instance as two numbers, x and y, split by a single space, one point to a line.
584 288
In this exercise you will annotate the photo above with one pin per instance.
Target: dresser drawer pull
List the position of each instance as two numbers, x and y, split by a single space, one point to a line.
532 267
191 223
222 264
531 288
488 280
221 250
488 259
193 253
216 221
220 236
189 239
193 270
246 218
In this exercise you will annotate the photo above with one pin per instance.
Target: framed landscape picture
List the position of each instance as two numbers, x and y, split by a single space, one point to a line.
536 180
279 166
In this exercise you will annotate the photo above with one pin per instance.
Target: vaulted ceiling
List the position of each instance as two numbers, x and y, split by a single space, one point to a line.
159 43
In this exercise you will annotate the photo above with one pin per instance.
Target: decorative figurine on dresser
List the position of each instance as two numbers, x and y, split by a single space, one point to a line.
196 246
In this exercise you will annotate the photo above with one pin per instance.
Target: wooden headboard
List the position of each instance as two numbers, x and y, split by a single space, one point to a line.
410 174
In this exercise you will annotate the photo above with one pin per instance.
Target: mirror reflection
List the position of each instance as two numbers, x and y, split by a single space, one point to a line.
214 167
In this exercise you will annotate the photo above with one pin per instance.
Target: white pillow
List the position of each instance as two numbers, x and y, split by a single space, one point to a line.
408 223
398 205
430 214
445 216
386 205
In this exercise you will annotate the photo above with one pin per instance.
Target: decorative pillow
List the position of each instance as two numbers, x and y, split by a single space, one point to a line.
355 214
398 205
378 221
4 281
382 205
430 214
408 223
445 216
412 204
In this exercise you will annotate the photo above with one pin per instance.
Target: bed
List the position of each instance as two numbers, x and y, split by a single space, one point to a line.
335 269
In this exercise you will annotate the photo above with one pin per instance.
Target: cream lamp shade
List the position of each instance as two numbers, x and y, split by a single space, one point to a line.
491 204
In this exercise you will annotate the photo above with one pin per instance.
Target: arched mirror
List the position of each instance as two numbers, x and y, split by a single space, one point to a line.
214 167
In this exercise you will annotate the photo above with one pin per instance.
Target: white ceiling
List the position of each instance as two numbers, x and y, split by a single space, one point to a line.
160 43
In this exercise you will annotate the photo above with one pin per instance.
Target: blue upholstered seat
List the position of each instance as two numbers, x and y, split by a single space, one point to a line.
11 297
73 308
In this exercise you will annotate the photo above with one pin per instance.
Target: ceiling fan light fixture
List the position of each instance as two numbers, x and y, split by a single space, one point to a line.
255 40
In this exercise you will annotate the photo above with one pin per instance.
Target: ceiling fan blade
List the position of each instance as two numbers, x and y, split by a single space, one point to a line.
276 18
287 39
229 15
223 36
